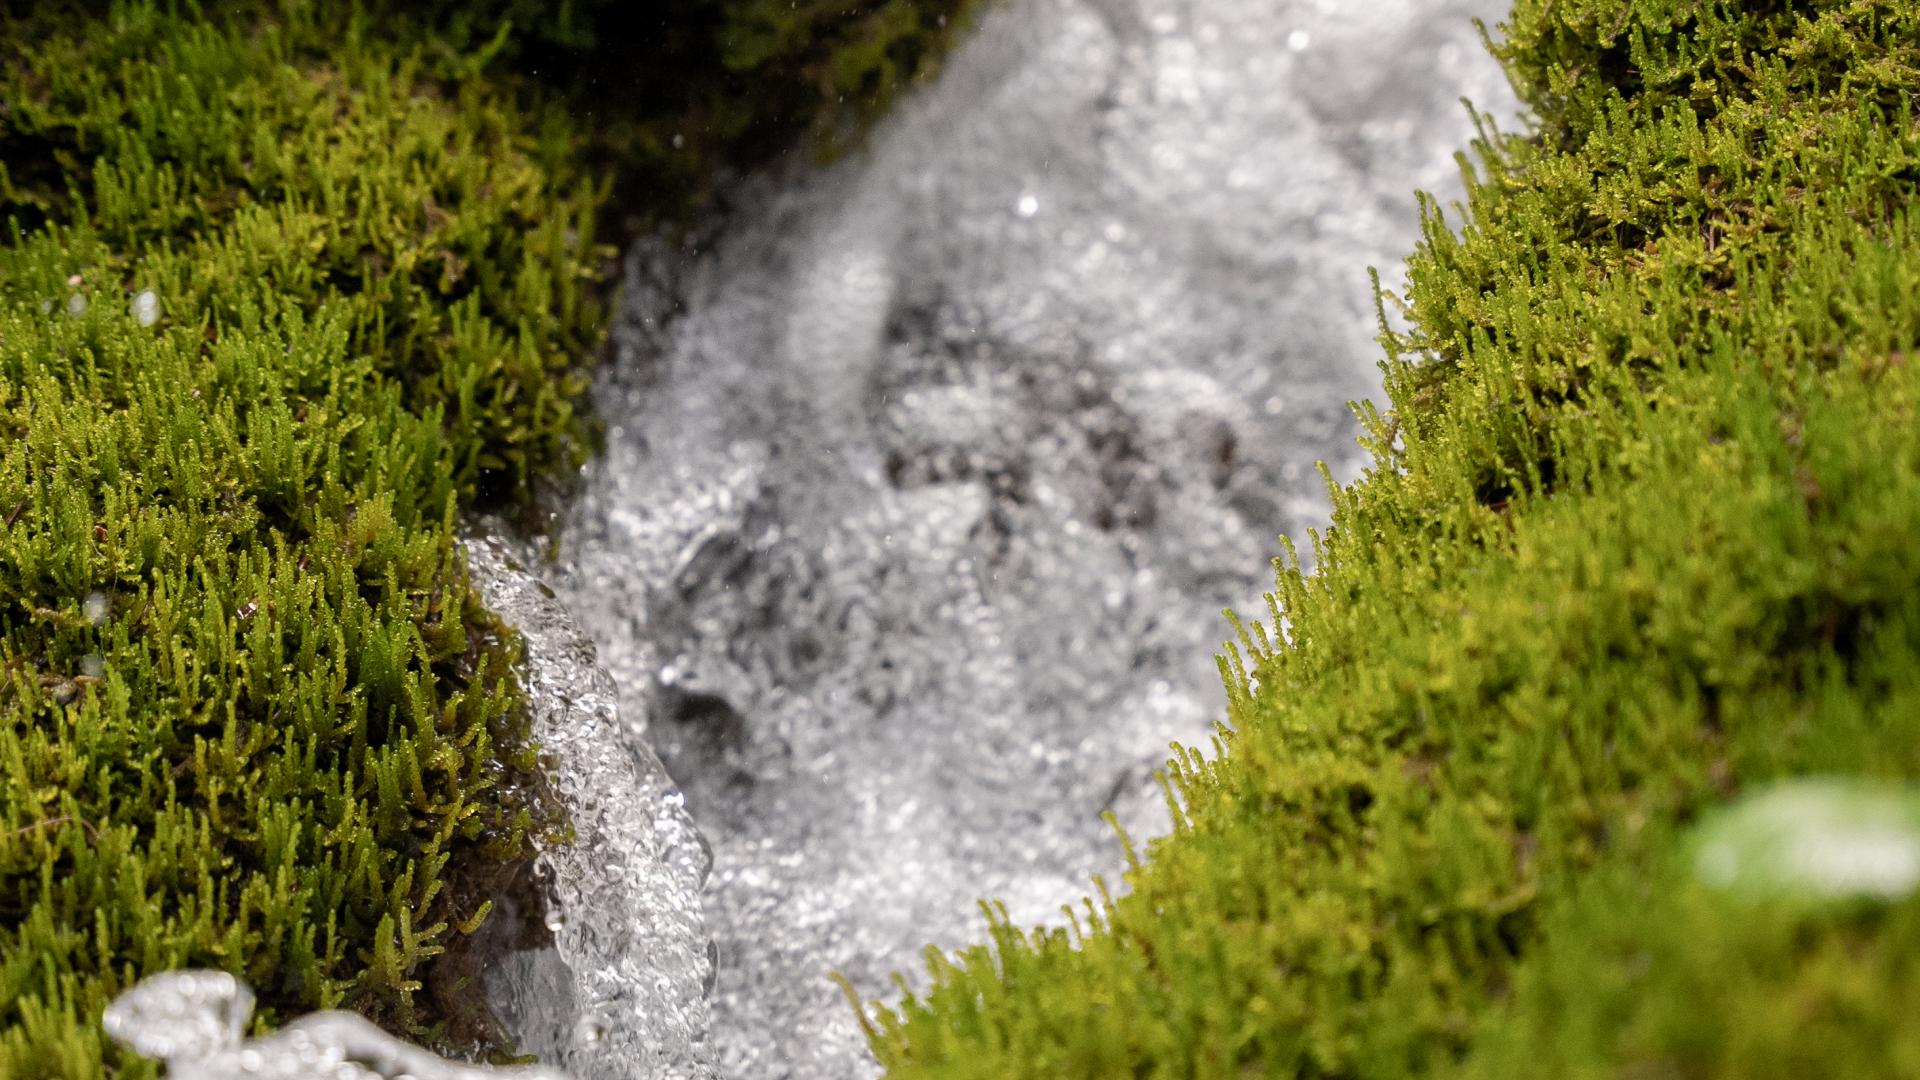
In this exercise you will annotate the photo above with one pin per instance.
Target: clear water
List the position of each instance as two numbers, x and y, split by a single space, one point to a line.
930 472
617 985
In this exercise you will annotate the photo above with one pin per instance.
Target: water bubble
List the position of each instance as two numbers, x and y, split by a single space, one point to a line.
95 607
76 305
1299 40
1028 206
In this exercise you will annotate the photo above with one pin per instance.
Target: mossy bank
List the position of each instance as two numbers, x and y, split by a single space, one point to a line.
1639 538
285 288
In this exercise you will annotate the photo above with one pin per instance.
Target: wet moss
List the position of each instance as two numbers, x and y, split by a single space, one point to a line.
1638 536
285 288
278 309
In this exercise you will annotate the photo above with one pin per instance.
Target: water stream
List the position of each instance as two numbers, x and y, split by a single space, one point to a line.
928 476
930 472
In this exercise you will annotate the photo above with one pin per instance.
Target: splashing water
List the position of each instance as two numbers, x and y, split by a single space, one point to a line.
928 477
620 989
195 1022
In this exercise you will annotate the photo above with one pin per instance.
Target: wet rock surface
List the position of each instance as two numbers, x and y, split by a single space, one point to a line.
929 475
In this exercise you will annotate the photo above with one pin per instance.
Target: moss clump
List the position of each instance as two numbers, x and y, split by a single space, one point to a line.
283 286
316 170
274 302
1639 535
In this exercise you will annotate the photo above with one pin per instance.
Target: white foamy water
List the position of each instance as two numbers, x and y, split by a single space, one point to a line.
930 473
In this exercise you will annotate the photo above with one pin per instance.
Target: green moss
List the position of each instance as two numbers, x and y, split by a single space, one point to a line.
252 715
216 169
1638 535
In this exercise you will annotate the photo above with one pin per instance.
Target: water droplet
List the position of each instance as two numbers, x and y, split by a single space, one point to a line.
76 305
1299 40
93 666
95 607
589 1030
1028 206
146 308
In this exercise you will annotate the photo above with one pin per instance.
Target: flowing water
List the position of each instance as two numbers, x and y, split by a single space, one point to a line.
930 472
615 979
